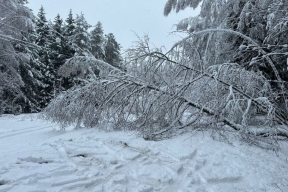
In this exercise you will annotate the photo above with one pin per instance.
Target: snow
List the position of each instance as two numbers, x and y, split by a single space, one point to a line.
36 155
58 40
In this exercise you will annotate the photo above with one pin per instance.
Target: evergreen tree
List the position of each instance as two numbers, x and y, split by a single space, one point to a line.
97 42
70 25
31 77
68 50
112 51
43 41
57 43
57 53
68 33
30 72
263 21
16 60
251 33
81 38
42 30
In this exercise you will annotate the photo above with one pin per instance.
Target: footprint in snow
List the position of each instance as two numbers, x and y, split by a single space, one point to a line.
4 182
39 160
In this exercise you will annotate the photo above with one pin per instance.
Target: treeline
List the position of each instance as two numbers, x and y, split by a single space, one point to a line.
33 49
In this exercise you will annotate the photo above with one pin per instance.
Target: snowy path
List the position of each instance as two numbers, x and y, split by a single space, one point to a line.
20 134
34 157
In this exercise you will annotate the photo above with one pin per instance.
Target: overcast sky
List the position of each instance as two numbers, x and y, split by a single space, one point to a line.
123 18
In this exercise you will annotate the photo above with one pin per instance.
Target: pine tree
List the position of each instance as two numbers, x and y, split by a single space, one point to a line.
70 25
251 33
16 59
30 72
112 51
57 42
43 37
42 29
57 53
68 33
31 77
97 42
81 38
68 50
261 20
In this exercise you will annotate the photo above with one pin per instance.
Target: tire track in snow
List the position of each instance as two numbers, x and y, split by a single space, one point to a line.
16 133
18 130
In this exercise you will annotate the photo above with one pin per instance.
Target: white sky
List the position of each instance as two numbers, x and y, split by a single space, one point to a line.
123 18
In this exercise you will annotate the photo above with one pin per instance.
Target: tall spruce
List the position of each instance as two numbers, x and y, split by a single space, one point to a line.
18 71
42 30
264 21
30 72
97 42
68 32
43 41
57 53
68 50
57 42
251 33
112 51
81 38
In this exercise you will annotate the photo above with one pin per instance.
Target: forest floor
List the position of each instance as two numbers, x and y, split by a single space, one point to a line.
35 155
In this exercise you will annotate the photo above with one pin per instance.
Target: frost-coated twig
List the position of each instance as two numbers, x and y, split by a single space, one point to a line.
281 117
265 55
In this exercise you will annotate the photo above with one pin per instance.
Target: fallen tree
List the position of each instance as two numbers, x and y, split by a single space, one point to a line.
162 93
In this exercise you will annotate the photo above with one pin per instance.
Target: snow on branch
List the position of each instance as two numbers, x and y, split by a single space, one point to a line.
162 93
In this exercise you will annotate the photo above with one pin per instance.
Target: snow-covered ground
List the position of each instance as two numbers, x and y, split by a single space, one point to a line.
36 156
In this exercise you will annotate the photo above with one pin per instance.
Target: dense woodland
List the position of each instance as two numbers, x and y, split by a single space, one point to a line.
228 75
33 49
